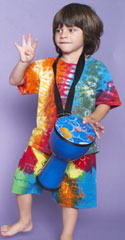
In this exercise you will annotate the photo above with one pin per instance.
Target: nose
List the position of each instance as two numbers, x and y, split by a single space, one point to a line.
64 33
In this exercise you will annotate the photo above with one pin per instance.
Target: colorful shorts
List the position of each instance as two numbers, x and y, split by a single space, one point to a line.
78 187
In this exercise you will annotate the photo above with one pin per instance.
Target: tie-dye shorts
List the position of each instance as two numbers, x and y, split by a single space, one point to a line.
78 187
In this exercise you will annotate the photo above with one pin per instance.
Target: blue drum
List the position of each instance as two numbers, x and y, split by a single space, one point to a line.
70 139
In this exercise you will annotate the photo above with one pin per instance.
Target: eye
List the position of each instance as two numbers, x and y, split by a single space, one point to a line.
71 29
58 30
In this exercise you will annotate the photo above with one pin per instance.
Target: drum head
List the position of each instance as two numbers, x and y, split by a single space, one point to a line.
74 130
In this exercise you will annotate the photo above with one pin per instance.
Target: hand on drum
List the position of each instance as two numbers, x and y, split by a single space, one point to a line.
96 125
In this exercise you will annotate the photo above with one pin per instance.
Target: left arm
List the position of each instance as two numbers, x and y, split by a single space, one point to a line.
95 117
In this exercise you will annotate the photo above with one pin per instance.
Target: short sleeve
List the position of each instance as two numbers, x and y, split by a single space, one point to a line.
31 79
106 92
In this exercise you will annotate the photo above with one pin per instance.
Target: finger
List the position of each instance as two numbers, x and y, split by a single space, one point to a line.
95 125
99 130
95 129
4 227
35 43
17 45
97 134
23 40
87 120
99 127
29 39
98 124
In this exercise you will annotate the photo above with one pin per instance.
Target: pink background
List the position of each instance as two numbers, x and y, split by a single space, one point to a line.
18 119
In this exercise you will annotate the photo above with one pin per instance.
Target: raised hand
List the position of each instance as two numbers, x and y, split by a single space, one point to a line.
27 50
96 125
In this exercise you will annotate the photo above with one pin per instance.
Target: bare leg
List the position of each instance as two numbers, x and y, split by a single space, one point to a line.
69 218
24 224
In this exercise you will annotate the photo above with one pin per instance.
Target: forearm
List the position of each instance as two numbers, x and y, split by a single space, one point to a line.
100 112
17 75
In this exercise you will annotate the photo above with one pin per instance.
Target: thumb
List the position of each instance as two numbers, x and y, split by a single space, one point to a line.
17 46
84 120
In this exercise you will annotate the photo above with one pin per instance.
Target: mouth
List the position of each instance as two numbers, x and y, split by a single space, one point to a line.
64 43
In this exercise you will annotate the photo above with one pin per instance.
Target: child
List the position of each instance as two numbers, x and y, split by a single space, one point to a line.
76 29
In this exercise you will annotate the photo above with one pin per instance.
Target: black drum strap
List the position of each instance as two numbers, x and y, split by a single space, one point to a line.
69 101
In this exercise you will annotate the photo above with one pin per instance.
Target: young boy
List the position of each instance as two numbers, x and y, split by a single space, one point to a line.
76 29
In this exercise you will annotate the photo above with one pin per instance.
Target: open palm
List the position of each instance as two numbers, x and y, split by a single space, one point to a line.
27 50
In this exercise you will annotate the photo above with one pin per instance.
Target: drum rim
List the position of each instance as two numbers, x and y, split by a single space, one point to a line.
76 144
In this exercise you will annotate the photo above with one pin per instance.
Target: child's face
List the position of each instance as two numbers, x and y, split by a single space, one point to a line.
69 39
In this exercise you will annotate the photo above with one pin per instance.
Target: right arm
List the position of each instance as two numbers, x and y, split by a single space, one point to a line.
27 53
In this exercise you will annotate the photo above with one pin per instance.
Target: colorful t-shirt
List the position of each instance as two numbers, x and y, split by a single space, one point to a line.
94 87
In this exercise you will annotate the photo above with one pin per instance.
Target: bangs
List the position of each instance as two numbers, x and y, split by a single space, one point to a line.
69 16
66 20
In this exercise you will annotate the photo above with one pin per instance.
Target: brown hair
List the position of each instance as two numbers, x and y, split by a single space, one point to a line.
84 17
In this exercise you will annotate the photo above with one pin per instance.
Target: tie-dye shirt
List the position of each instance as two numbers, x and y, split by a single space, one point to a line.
94 87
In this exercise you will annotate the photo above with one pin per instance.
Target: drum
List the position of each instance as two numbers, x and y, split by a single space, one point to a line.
70 139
